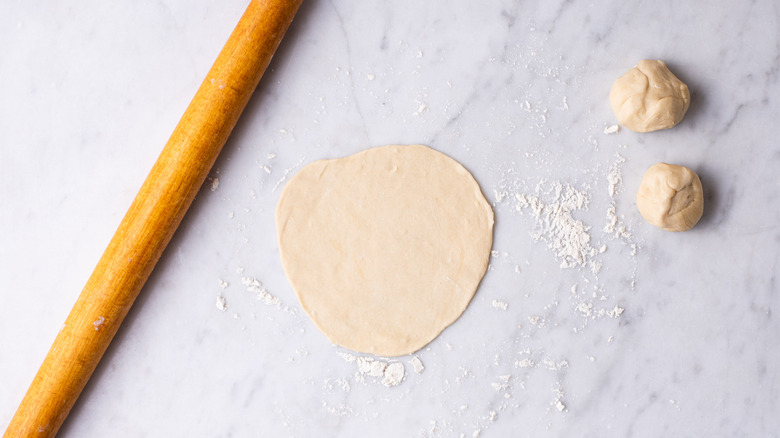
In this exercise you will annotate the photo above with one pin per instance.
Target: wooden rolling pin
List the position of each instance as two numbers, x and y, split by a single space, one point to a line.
152 218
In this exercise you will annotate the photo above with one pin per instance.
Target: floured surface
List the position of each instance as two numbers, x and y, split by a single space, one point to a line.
384 248
644 335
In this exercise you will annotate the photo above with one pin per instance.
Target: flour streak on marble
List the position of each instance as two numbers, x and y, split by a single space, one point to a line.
654 334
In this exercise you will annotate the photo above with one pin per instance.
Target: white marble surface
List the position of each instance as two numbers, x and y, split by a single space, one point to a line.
517 92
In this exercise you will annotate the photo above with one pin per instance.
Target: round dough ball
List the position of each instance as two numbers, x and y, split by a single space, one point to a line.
670 197
649 97
384 248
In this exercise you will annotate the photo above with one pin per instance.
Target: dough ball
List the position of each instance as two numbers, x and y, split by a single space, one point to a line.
649 97
670 197
384 248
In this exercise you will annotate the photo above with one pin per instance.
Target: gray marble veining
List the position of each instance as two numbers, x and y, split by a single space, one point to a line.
653 334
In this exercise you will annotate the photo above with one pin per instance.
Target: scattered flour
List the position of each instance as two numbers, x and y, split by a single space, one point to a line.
503 383
614 225
421 108
374 368
417 365
221 303
286 173
617 311
500 305
394 374
615 176
585 308
559 395
255 286
554 208
555 224
391 373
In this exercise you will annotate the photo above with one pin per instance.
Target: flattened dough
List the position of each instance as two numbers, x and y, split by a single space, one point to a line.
384 248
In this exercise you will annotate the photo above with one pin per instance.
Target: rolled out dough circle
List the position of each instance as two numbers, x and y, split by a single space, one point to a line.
384 248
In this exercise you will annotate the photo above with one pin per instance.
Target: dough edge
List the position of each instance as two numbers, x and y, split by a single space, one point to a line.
402 348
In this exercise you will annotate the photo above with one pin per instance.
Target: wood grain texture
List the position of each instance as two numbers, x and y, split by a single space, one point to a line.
152 218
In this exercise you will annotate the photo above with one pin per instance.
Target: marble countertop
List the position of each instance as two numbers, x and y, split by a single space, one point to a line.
650 334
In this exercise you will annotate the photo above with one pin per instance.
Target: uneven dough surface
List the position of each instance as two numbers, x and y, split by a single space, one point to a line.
670 197
649 97
384 248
